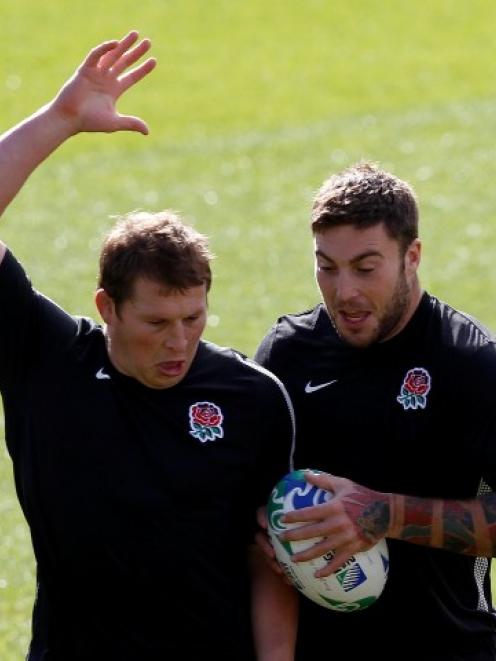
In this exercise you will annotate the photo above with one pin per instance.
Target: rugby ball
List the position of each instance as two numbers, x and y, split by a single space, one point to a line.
354 586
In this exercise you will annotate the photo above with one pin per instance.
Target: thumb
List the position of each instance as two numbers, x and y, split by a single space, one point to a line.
131 123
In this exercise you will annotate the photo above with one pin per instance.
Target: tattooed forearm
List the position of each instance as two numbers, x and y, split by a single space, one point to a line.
418 528
461 526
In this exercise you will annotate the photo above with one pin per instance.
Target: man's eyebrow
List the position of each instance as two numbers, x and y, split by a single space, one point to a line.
367 253
357 258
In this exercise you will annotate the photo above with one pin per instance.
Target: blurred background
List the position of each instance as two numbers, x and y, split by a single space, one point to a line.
252 105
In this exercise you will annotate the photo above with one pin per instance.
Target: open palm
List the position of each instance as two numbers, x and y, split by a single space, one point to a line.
88 99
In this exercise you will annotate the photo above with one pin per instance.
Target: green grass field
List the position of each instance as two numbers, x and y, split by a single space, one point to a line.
252 106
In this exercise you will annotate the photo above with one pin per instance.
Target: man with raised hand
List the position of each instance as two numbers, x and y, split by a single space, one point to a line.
140 451
394 393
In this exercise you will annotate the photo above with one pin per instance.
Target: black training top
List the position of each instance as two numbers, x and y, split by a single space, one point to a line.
413 415
140 502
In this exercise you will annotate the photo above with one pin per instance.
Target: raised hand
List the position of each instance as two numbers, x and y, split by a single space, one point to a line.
87 101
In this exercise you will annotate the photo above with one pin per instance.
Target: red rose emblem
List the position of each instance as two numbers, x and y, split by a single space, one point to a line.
415 388
417 382
205 420
206 415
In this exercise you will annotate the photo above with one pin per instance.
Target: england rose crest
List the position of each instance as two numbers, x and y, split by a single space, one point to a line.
205 420
415 388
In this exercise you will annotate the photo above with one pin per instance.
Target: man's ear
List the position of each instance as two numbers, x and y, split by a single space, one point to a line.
105 305
412 257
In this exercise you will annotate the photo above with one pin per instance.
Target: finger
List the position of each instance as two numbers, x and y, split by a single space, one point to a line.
338 561
264 544
108 60
323 480
131 123
95 54
308 514
325 546
135 75
130 57
296 534
262 517
269 555
275 566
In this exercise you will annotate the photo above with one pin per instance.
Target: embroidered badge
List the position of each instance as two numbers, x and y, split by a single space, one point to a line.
415 388
205 420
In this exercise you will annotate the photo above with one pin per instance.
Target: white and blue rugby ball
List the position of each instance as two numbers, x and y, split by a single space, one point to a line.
355 585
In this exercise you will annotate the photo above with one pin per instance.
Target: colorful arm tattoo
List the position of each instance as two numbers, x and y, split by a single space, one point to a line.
461 526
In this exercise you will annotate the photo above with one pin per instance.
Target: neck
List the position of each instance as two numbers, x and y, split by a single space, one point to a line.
415 297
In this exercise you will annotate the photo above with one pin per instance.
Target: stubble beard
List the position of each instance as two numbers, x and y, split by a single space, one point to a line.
391 318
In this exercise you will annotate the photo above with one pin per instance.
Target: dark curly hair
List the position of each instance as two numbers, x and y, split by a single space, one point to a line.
364 195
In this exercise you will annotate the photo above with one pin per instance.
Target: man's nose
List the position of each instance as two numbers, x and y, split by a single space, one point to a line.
176 337
346 287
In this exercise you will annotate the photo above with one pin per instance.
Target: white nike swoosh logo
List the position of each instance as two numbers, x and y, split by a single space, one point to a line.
309 388
101 374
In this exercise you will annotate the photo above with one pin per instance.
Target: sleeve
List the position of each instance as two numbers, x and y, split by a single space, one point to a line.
278 439
485 416
29 323
489 456
475 416
263 354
